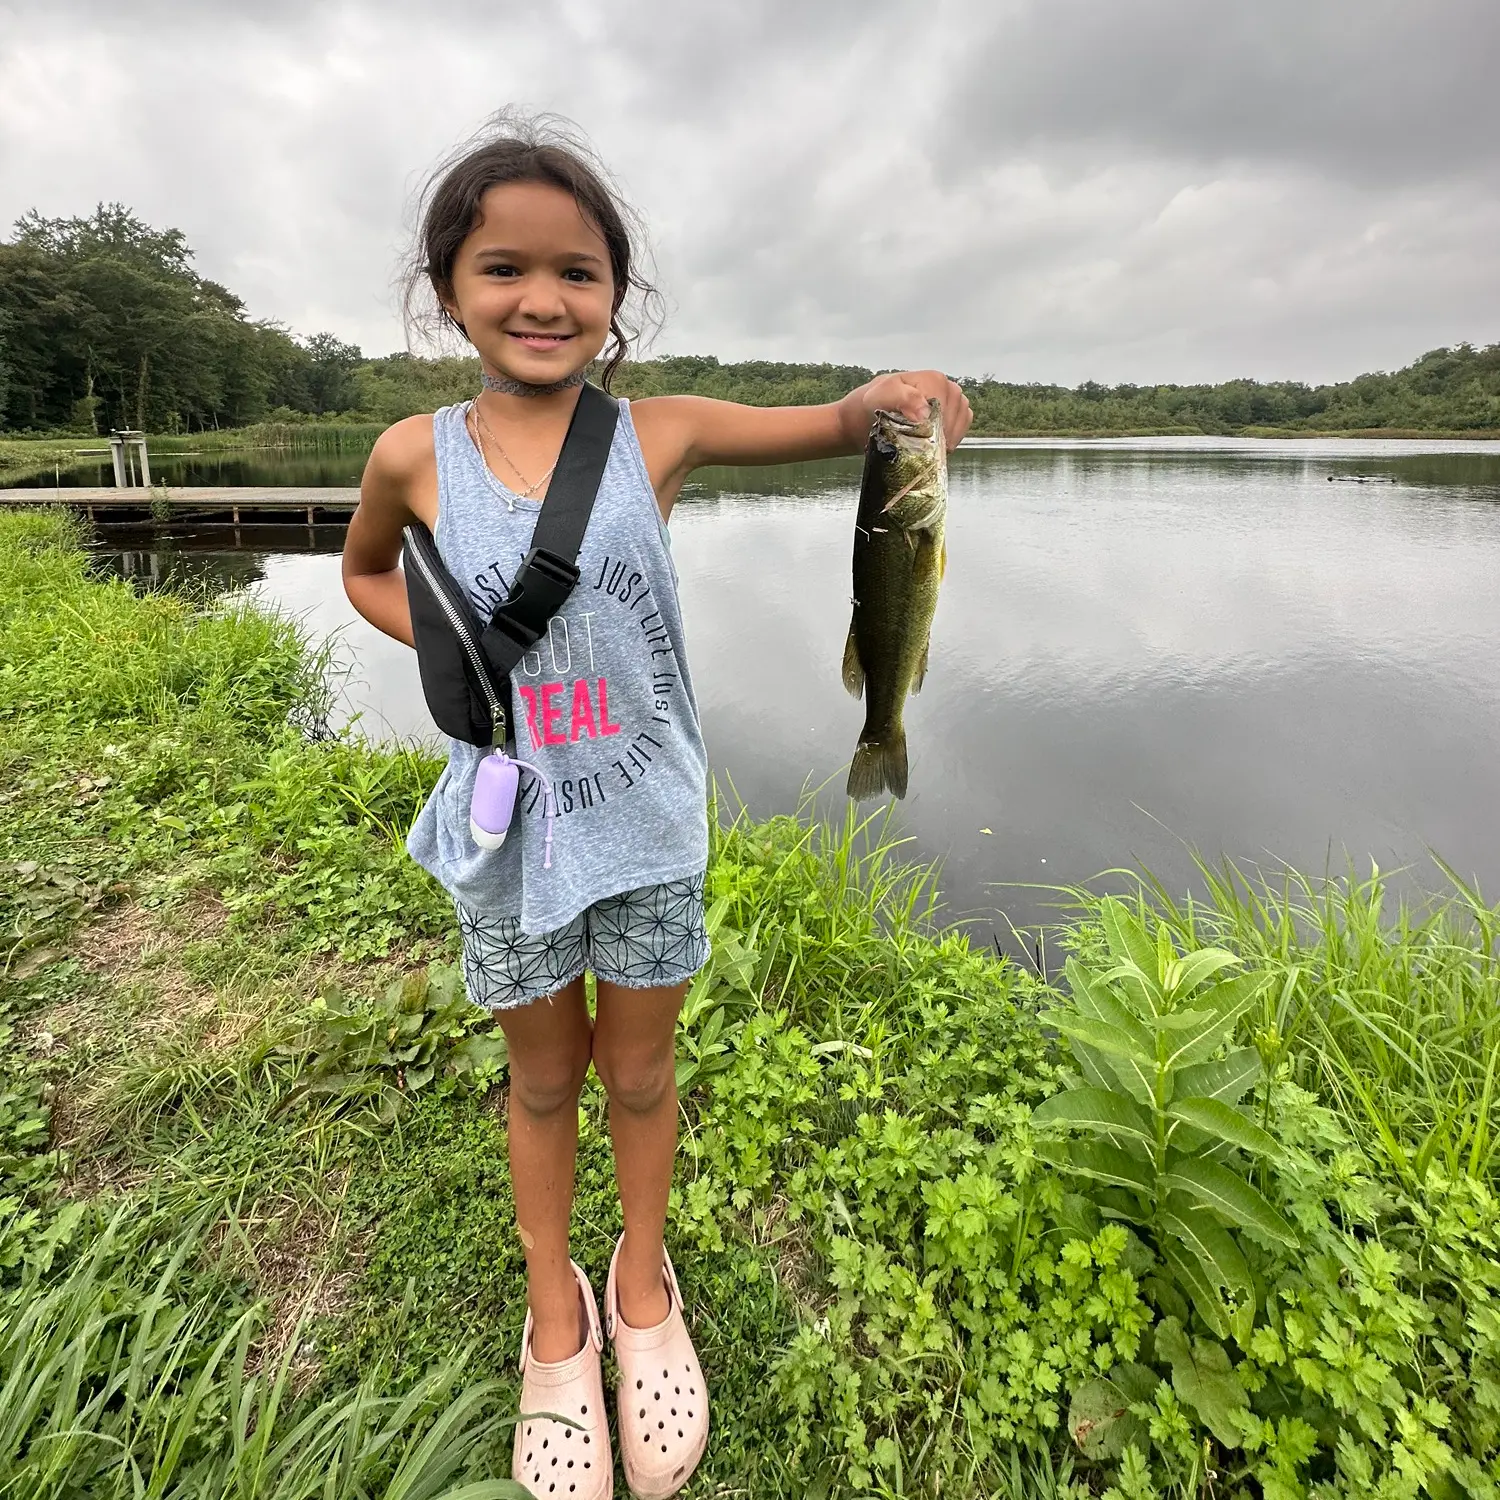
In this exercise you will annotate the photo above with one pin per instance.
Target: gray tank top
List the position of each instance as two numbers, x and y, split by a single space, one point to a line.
603 705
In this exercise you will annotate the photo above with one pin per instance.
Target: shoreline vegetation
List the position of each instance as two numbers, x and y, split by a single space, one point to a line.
105 324
24 458
1209 1205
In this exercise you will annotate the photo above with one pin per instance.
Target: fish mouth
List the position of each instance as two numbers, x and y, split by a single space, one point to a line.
893 429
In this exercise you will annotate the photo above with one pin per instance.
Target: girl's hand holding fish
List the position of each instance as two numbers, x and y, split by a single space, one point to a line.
906 393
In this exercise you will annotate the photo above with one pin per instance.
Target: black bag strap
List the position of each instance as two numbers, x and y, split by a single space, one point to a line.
550 570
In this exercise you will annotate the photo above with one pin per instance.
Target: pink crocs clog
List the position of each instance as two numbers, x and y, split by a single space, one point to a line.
662 1400
553 1460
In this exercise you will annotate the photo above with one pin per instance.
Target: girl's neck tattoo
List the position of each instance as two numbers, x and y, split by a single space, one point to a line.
505 386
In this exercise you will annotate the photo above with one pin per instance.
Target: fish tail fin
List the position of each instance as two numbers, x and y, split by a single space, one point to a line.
854 668
879 766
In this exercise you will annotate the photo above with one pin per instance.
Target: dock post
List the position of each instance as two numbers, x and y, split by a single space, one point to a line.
310 515
127 447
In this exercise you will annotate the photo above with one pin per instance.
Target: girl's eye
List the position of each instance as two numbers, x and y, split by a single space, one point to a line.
578 273
502 271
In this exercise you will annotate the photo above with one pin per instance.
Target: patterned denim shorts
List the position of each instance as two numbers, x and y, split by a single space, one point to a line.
651 937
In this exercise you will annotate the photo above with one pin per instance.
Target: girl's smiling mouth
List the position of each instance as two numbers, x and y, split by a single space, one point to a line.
542 340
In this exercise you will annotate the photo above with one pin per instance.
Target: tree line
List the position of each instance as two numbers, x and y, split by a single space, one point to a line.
104 323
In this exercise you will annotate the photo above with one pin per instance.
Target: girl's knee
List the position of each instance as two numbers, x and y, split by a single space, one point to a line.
547 1084
637 1082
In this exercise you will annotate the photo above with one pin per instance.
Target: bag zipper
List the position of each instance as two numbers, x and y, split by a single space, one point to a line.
455 615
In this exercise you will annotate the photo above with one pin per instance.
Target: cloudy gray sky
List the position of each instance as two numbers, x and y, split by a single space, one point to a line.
1037 189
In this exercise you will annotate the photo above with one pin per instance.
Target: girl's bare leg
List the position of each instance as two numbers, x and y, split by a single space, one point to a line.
549 1043
635 1055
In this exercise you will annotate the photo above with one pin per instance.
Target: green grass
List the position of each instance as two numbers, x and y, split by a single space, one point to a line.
26 458
324 435
141 1370
247 1249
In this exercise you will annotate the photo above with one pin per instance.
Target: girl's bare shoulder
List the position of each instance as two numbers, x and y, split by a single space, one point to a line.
400 478
404 449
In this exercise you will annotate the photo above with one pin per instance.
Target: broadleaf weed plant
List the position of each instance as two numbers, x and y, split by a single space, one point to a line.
1151 1032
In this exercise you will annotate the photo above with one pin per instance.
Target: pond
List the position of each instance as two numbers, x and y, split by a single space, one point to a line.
1278 651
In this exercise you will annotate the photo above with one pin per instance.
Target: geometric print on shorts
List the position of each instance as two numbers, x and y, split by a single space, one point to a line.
653 936
643 938
504 968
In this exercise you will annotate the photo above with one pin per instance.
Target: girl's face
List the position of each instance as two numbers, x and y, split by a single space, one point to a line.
532 284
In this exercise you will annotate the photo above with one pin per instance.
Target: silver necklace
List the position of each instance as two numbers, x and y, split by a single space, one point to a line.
484 431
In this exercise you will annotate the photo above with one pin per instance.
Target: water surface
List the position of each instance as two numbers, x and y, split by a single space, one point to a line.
1271 650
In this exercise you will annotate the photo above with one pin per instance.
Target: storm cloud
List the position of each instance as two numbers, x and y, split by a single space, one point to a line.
1038 189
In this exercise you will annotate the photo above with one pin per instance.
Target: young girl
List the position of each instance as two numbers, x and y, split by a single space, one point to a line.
529 253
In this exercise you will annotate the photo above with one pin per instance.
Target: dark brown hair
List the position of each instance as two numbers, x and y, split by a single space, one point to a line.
515 147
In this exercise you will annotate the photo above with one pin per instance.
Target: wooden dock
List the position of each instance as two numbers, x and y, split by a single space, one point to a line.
238 504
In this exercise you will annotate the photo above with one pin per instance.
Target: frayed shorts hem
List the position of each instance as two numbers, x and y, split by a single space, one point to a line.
664 982
643 939
520 1002
658 982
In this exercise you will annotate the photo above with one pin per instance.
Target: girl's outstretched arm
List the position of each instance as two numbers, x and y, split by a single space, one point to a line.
682 433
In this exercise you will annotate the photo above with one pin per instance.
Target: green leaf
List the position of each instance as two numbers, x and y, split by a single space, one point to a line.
1188 1273
1100 1073
1100 1421
1185 1020
490 1489
1220 1259
1223 1004
1227 1081
1140 986
478 1050
1127 939
1097 1110
1230 1196
1076 1218
1102 1162
1203 1377
1185 974
1135 1076
1108 1039
1129 1204
1094 998
1224 1123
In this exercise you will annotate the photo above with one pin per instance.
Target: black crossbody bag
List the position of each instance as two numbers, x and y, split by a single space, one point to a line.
465 662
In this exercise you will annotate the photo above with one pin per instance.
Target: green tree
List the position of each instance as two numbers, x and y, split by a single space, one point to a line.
5 324
330 378
110 324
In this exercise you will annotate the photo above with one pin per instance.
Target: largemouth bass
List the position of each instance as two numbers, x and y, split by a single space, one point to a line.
899 554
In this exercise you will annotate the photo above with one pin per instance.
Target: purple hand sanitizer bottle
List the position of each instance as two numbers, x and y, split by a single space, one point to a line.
494 799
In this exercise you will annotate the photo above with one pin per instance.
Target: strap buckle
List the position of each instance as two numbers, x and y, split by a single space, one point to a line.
542 585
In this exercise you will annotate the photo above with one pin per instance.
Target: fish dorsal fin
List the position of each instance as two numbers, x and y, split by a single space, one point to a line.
854 670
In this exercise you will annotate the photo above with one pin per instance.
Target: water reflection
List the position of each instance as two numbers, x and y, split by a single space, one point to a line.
1137 649
269 467
204 560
